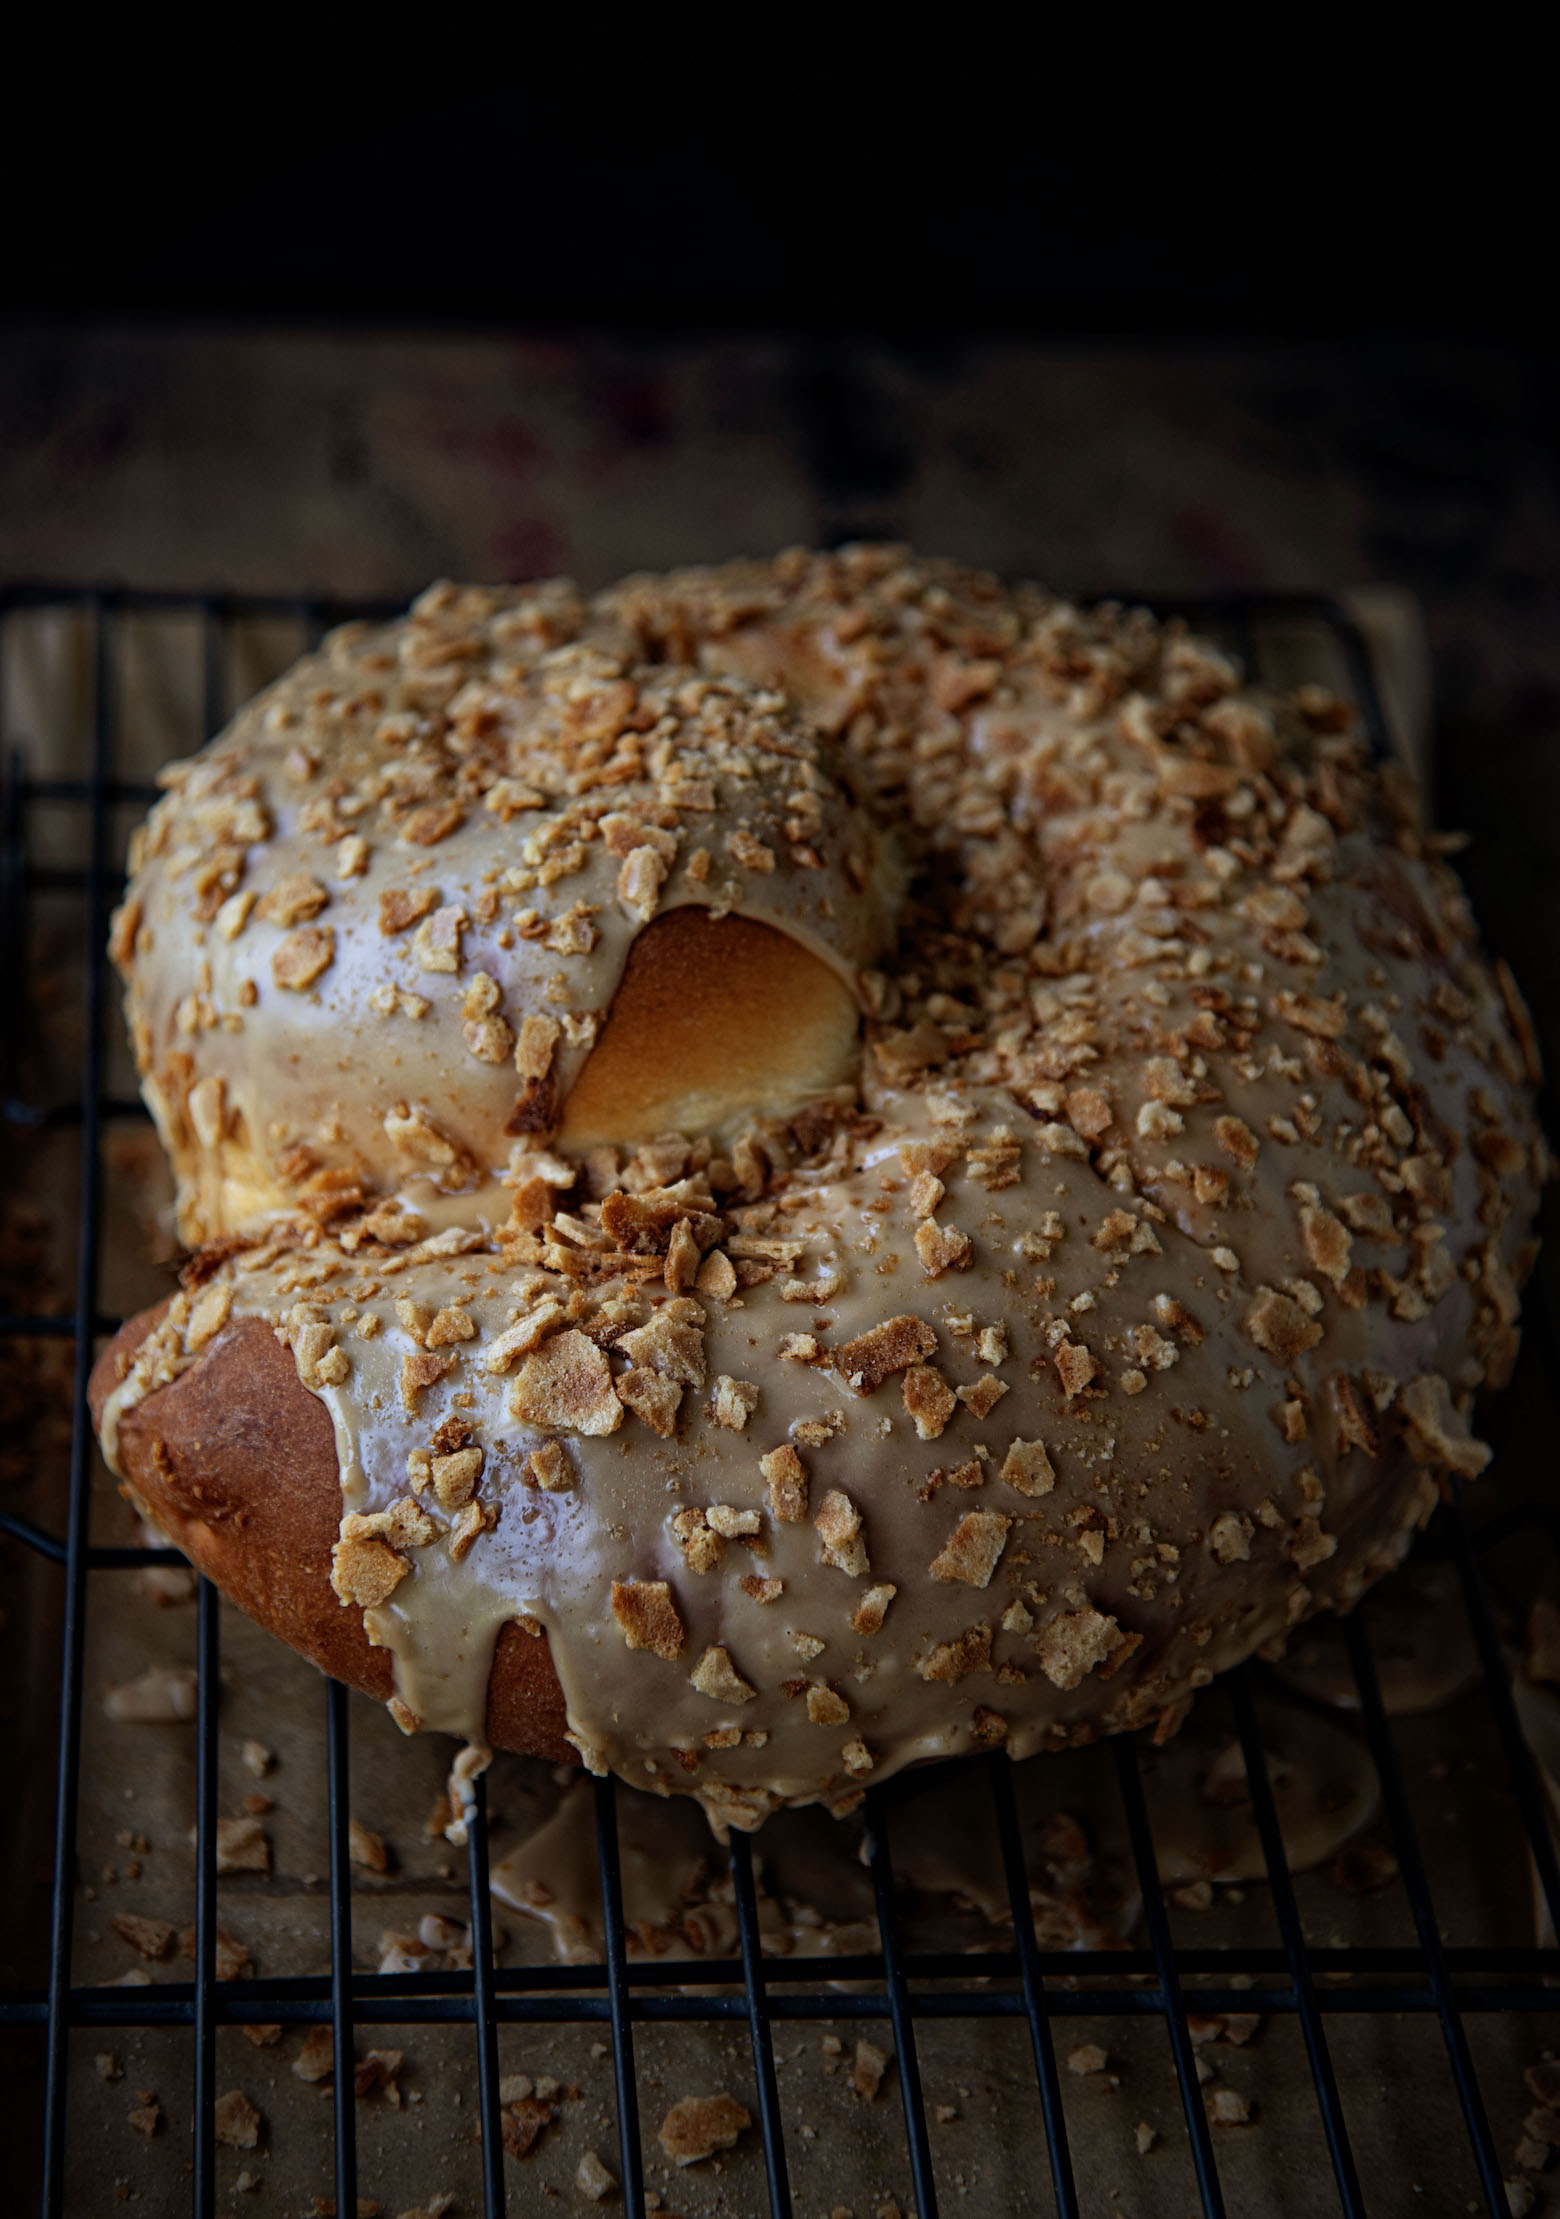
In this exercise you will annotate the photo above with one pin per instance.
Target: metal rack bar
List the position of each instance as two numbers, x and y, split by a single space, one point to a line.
1417 1888
79 1492
98 1559
1171 1999
540 1991
881 1866
1016 1873
208 1638
1287 1913
494 2199
342 2011
33 1537
69 1113
172 2004
771 2124
620 2004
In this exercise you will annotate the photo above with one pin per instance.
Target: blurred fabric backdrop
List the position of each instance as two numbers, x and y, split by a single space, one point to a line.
365 460
1129 321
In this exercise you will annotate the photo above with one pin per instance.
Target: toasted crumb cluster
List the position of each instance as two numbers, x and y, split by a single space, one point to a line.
697 2126
433 843
1179 1211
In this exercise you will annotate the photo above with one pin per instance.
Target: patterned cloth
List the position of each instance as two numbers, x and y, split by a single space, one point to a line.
356 463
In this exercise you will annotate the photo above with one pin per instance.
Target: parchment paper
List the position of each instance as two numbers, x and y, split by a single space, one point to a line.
845 2154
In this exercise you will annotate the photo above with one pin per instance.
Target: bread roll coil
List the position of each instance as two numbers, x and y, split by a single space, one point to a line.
859 1163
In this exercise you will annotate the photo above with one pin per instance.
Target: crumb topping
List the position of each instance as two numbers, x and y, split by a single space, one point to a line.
1179 1209
648 1618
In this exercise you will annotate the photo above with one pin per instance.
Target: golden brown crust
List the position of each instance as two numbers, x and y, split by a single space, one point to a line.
1115 1321
712 1015
236 1461
378 955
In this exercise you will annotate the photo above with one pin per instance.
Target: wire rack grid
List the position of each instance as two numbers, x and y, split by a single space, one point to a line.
1025 1982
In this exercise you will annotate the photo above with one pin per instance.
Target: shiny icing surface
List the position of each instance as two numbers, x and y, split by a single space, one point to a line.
1116 1322
361 952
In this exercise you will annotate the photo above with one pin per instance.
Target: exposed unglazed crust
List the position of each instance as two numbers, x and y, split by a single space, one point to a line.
238 1466
1112 1318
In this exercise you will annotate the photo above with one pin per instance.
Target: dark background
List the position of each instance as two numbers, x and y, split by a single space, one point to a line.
1177 314
1080 185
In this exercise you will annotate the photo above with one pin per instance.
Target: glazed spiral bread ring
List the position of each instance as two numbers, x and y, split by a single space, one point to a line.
804 1167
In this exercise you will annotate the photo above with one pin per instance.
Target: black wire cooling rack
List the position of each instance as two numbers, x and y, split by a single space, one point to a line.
1025 1982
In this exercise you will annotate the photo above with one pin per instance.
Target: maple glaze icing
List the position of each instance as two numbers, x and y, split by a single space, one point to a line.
1180 1206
